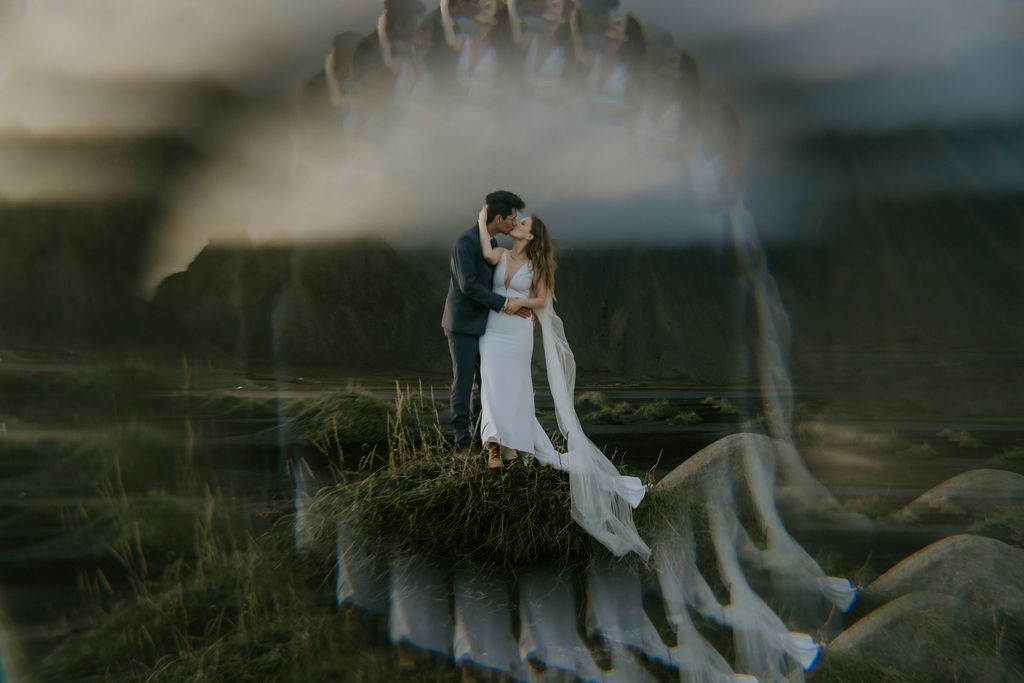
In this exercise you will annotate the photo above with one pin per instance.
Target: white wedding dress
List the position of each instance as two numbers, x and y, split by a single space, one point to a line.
506 385
601 499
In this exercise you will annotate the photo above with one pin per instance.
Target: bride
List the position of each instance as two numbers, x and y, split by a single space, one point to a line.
523 275
601 499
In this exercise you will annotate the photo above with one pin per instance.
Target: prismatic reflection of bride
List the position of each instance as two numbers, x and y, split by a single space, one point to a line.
601 499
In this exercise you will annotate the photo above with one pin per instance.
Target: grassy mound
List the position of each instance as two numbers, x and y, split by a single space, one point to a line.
429 502
342 417
352 416
440 505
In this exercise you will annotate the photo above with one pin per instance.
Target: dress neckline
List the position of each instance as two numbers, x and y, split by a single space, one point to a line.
507 278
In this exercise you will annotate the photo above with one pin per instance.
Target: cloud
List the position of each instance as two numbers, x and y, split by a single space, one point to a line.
273 182
793 68
233 39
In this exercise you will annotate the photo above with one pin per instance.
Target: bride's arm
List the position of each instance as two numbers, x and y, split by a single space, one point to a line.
491 254
538 300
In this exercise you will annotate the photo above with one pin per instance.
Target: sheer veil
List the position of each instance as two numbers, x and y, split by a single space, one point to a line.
602 500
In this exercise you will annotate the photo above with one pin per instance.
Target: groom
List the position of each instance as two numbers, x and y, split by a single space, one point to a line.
470 297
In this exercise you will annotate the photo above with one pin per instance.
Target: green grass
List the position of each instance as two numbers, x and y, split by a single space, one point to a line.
343 416
686 417
659 411
662 410
351 416
813 434
1009 456
593 406
591 401
224 404
874 507
242 610
86 393
138 459
425 501
849 667
960 437
721 404
1008 528
436 503
209 596
214 595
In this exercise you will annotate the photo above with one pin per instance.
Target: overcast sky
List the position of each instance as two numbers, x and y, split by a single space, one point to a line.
791 67
929 59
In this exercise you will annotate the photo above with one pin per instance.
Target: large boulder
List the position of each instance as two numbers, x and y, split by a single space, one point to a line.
935 637
982 572
973 495
984 501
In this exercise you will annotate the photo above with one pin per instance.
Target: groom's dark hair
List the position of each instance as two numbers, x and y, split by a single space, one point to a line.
501 203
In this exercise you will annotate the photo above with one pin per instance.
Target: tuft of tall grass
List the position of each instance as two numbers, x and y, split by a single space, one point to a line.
350 416
593 406
686 417
223 404
960 437
721 404
343 416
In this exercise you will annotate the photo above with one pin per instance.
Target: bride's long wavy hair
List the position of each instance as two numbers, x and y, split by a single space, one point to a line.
541 252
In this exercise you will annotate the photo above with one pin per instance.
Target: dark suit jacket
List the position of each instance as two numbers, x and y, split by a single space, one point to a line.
469 288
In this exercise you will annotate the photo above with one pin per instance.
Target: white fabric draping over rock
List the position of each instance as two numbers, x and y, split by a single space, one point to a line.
743 464
750 461
602 500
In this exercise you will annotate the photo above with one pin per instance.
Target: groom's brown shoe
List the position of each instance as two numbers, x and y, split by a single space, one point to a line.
493 455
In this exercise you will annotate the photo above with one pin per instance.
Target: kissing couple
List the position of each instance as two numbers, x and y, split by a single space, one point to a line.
494 297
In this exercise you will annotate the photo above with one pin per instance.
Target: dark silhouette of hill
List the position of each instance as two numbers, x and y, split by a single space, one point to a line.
888 276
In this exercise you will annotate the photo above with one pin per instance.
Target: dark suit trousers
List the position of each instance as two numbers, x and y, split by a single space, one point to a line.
465 395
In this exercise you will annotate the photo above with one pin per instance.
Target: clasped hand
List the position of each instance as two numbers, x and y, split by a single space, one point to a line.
515 307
